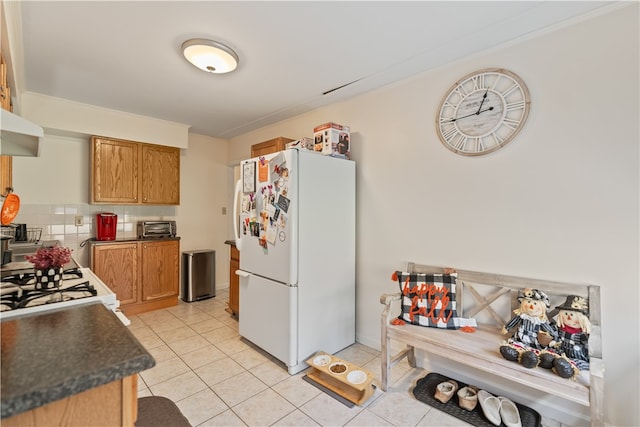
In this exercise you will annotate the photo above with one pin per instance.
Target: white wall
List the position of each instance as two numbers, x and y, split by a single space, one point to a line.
77 118
203 194
560 202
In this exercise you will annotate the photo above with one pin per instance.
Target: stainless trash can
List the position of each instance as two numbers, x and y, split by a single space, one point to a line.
198 275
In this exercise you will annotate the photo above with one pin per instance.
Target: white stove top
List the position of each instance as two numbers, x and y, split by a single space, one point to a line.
51 299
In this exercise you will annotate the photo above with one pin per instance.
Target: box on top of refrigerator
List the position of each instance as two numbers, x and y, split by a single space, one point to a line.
333 139
302 143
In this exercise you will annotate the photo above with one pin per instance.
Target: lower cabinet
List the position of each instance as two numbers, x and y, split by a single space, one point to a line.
143 274
112 404
234 282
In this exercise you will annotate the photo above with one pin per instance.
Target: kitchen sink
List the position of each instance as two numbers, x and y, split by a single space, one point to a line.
20 250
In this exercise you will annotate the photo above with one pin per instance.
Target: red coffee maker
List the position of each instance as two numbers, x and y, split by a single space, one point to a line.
106 226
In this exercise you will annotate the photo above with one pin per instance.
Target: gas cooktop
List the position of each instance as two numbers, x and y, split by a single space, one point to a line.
18 291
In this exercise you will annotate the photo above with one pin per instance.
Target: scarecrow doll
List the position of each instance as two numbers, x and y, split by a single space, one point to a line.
529 320
569 354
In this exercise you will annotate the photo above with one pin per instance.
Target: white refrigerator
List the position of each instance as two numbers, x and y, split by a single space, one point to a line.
295 230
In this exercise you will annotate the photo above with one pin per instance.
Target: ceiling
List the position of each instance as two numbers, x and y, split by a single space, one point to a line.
125 55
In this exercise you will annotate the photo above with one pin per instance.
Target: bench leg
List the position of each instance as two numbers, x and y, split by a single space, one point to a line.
596 392
385 360
411 356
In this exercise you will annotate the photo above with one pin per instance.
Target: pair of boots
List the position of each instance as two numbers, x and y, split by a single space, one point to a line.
467 396
530 358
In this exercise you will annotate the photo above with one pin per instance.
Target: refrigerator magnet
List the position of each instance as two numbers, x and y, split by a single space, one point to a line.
271 234
278 162
282 221
283 203
249 177
255 229
263 171
282 236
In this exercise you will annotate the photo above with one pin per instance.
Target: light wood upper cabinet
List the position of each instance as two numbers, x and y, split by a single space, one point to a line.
6 174
6 162
160 175
268 147
5 91
114 171
127 172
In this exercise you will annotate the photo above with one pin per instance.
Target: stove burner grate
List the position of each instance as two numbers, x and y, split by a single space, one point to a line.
21 298
22 279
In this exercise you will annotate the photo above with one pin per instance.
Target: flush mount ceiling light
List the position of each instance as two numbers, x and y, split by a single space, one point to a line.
210 56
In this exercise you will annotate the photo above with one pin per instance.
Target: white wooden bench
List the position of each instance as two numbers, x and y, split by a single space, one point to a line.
490 299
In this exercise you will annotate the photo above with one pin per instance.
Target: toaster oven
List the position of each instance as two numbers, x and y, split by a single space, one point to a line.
156 229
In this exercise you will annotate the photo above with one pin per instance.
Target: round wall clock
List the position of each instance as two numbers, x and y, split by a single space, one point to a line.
483 112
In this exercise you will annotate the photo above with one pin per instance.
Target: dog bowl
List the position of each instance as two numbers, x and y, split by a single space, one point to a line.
356 377
338 368
322 360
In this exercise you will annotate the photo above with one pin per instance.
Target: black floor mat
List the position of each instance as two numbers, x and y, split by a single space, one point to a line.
331 393
425 389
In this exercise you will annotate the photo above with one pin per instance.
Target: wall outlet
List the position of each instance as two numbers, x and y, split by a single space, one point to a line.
79 220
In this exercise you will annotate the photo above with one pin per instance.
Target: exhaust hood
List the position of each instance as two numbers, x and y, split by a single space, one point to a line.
19 136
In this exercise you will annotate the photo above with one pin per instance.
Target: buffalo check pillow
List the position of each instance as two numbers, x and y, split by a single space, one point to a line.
430 300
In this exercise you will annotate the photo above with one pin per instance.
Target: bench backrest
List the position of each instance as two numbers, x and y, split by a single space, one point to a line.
491 298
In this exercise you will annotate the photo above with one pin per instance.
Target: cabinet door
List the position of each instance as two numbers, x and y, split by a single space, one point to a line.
114 171
160 175
234 281
160 266
117 265
110 404
268 147
6 174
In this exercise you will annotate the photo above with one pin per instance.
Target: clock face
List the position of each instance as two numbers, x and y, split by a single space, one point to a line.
483 112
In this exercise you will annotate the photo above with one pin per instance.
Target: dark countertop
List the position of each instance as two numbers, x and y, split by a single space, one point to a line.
230 242
59 353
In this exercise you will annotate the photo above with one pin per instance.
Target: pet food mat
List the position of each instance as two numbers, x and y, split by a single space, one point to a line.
425 390
329 392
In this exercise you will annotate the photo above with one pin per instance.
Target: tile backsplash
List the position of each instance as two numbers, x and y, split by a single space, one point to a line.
58 222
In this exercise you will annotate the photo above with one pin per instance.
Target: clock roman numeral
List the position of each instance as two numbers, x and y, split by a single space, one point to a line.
478 82
511 89
449 133
510 123
462 140
461 91
497 139
495 82
515 105
479 145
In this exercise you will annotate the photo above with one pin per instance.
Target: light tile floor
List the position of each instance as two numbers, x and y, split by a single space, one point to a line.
217 378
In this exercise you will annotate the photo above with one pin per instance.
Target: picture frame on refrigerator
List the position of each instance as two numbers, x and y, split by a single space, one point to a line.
249 177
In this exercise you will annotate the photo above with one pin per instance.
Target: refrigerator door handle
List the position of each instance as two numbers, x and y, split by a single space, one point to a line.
236 228
242 273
